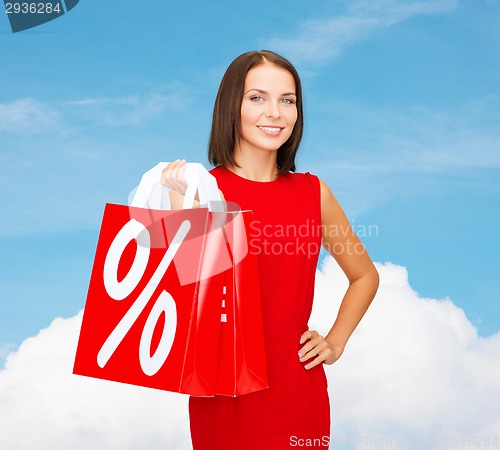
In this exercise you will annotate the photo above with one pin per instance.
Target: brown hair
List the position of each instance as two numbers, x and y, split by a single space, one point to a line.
226 120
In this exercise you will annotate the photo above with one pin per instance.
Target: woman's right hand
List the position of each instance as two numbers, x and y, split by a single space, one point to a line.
173 176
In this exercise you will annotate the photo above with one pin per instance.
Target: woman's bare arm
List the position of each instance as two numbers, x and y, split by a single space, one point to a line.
342 243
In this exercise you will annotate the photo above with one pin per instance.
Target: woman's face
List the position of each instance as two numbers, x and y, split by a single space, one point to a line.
268 108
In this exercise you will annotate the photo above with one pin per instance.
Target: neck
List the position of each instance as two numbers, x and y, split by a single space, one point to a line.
259 166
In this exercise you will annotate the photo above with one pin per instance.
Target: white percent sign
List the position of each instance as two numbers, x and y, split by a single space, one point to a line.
118 290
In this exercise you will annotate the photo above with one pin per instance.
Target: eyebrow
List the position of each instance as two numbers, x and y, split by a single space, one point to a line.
265 92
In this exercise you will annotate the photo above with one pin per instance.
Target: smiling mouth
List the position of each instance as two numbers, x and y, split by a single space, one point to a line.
270 129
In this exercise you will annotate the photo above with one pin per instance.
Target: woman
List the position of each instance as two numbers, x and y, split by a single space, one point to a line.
256 131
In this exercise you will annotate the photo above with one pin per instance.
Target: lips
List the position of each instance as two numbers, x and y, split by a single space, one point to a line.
270 131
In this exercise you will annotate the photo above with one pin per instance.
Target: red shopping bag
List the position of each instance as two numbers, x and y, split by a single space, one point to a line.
140 325
241 364
164 309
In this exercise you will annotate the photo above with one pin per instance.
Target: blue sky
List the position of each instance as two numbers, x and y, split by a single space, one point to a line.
401 113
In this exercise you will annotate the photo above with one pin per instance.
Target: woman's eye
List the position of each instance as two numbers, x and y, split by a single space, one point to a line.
288 101
256 98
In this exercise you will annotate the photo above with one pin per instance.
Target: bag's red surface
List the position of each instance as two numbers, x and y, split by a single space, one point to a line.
174 303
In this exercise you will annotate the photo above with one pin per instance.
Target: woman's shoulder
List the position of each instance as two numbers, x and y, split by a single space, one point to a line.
216 170
306 181
310 177
314 182
305 177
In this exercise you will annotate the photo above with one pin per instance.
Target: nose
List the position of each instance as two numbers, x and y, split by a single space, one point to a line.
272 110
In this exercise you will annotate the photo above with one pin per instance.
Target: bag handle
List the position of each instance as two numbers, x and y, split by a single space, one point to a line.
152 194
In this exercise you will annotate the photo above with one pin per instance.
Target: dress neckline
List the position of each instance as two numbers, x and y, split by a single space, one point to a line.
248 179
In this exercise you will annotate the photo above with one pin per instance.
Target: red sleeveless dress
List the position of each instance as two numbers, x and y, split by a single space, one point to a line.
295 409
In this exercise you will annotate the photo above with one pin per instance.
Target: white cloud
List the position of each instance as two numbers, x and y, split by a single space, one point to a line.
415 147
90 153
325 39
5 350
28 115
418 138
132 110
397 10
44 406
414 368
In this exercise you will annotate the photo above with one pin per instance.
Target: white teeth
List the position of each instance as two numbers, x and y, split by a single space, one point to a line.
271 129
